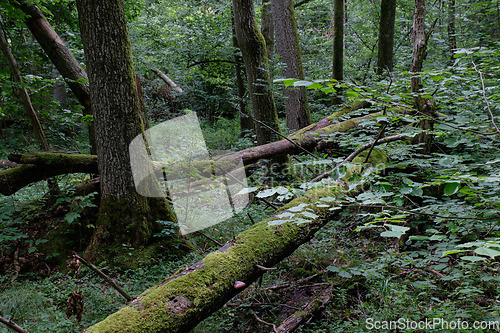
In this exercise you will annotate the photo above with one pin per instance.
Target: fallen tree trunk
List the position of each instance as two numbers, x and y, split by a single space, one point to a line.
183 300
44 164
12 180
292 322
167 80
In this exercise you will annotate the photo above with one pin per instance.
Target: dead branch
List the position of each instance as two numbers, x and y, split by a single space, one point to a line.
105 277
167 80
12 325
307 312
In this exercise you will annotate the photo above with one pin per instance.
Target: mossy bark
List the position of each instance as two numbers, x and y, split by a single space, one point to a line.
287 47
253 48
183 300
125 216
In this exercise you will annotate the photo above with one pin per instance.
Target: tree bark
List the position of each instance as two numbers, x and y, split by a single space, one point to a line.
247 125
386 36
125 216
267 29
287 46
253 49
423 105
452 37
338 47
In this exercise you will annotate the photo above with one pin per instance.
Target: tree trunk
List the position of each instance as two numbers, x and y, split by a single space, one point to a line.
267 29
338 47
247 125
59 54
22 92
386 36
287 46
424 105
253 49
125 216
452 37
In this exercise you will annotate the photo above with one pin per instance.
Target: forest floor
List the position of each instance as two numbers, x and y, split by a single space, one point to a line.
369 277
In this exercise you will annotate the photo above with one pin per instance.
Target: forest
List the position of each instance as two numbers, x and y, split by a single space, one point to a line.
249 166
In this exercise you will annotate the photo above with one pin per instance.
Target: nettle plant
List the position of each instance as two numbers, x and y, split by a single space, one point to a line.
440 207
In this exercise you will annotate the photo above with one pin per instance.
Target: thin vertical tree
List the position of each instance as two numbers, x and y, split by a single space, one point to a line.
338 47
386 36
253 49
452 38
423 105
287 47
267 29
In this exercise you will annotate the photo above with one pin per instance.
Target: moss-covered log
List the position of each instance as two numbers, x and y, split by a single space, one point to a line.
183 300
45 165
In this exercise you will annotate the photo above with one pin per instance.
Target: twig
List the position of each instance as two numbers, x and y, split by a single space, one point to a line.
105 277
265 322
484 97
265 268
421 213
251 218
210 238
358 151
281 135
279 304
375 142
12 325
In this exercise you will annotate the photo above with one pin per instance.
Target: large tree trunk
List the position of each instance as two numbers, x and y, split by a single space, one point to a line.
287 46
125 216
423 105
253 49
183 300
386 36
59 54
338 47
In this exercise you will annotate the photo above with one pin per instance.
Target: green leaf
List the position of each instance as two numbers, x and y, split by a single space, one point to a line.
266 193
334 269
394 234
486 251
71 217
345 274
473 258
247 190
451 188
298 208
310 215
